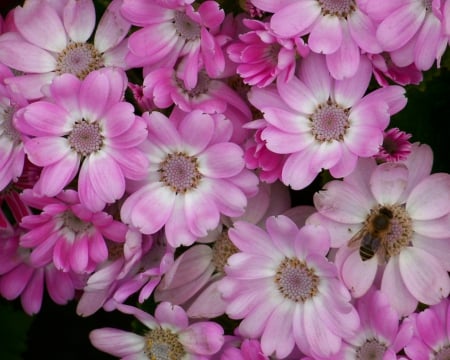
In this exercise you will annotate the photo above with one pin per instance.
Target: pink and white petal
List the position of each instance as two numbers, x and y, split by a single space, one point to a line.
286 120
26 57
315 75
299 331
282 230
98 251
56 176
295 18
430 329
112 27
158 40
424 277
79 20
79 255
347 92
345 165
94 96
59 285
393 286
163 130
254 323
133 162
419 163
176 227
202 338
196 130
142 13
364 141
388 182
357 275
327 154
31 298
118 119
117 342
246 266
229 198
106 176
41 25
269 96
430 199
297 171
169 314
438 228
326 35
311 239
64 90
30 86
270 6
401 25
282 142
439 248
201 212
47 150
363 31
370 112
221 160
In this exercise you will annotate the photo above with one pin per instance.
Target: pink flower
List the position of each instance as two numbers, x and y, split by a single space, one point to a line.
67 233
408 251
381 334
431 338
322 123
169 335
49 41
411 31
340 30
195 175
84 131
18 278
173 32
238 348
285 290
395 146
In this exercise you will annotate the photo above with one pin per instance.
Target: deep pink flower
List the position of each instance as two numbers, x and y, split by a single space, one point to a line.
323 123
431 338
67 233
52 38
340 30
395 146
85 131
411 259
195 175
174 31
169 335
285 290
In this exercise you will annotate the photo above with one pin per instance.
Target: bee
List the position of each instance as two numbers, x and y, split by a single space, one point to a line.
371 237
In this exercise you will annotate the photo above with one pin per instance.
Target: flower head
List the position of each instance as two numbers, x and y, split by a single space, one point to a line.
395 146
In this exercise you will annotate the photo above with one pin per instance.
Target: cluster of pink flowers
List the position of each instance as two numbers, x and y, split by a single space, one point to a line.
154 154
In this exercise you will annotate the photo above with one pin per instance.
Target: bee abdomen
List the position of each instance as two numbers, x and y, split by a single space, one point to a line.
366 253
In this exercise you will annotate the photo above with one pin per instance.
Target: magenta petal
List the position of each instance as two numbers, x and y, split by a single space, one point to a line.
282 142
13 283
88 196
47 150
93 96
79 256
363 31
214 164
295 18
196 130
203 338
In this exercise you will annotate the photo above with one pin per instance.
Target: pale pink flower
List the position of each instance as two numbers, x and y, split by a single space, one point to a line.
169 335
239 348
66 233
395 146
381 335
340 30
85 131
431 338
411 31
323 123
284 289
48 41
196 174
169 32
18 278
410 253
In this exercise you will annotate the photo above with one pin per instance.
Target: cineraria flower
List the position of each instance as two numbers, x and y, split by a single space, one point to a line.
67 233
169 336
322 123
238 348
84 130
195 175
262 56
380 336
391 218
19 278
411 31
172 32
285 290
395 146
431 338
48 42
340 30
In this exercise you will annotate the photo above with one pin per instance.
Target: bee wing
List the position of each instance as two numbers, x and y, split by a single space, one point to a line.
371 241
354 241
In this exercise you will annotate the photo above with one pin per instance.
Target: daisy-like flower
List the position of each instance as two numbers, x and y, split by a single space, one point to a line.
67 233
395 146
285 290
431 338
381 334
168 336
393 219
195 175
50 40
323 123
174 31
339 29
85 131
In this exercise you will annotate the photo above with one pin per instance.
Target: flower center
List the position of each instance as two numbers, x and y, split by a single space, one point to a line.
74 223
329 122
115 250
201 88
78 59
372 349
7 128
340 8
223 248
162 344
185 27
295 280
443 353
180 172
85 138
